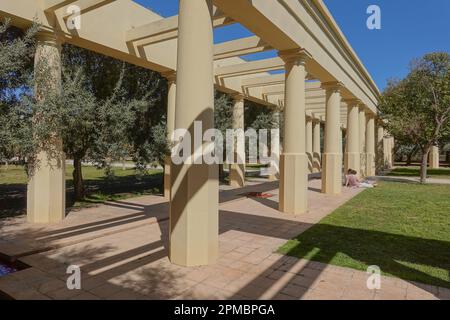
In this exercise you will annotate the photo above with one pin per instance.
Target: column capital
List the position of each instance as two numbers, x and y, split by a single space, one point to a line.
362 108
295 56
171 76
352 102
370 115
332 86
238 97
49 38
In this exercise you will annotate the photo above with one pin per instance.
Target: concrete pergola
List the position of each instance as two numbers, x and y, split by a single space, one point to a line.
324 83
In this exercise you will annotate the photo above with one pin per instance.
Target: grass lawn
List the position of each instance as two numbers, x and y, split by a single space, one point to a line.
125 184
402 228
443 173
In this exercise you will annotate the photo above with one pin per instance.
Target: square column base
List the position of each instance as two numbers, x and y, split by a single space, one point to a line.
46 193
332 173
194 215
237 175
363 165
370 165
434 158
352 161
167 163
294 183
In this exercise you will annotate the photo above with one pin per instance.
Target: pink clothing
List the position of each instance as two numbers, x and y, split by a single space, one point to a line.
352 181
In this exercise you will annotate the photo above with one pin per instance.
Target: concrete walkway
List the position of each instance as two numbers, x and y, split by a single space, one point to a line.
121 248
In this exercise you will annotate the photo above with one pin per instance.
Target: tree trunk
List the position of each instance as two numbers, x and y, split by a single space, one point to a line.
448 158
78 184
424 166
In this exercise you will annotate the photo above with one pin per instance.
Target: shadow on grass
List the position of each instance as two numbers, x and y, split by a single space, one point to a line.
409 258
13 196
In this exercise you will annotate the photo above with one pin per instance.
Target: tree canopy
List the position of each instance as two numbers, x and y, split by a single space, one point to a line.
416 110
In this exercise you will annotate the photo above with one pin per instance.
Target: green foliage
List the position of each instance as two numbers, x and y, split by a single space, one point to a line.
16 59
103 111
417 109
264 121
223 112
132 115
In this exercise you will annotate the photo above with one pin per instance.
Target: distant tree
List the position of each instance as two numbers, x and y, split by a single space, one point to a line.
260 117
264 121
16 66
107 110
144 90
223 120
108 114
417 108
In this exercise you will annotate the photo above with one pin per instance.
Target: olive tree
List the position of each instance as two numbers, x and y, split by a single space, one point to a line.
417 109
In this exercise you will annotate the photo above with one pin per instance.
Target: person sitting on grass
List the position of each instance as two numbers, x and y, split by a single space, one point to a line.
352 181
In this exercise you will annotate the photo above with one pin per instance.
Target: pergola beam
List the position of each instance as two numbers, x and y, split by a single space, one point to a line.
264 81
240 47
251 67
167 29
52 5
88 5
281 88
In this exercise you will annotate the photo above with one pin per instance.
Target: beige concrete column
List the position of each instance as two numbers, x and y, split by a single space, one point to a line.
380 159
171 99
434 158
341 145
392 156
370 146
275 165
362 142
294 162
309 142
237 170
388 147
332 156
316 146
386 143
352 154
46 193
194 195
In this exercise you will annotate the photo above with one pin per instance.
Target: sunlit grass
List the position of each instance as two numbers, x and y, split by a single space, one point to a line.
402 228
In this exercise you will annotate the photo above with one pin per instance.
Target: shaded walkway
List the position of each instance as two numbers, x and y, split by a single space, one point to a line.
121 248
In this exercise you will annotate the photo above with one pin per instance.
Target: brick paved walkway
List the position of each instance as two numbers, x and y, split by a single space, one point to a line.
121 248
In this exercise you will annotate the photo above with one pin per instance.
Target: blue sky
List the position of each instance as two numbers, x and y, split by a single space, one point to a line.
410 28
